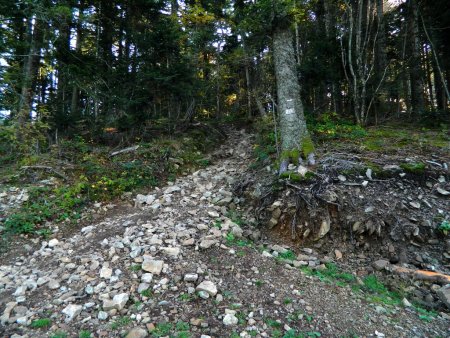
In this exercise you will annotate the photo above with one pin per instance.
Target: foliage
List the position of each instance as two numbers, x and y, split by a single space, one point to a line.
444 227
41 323
84 334
98 177
331 126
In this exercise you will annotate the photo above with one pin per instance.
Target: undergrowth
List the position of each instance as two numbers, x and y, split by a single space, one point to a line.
98 177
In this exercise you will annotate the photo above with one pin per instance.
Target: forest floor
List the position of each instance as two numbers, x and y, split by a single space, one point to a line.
188 260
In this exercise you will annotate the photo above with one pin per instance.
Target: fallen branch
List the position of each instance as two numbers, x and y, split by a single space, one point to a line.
45 168
124 151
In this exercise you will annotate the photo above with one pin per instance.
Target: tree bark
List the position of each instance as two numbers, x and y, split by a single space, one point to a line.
295 139
415 71
30 73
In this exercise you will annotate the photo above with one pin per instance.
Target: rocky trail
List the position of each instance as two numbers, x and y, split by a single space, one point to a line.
187 261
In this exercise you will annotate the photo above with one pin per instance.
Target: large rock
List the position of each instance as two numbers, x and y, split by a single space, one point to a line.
121 300
208 287
137 332
230 320
207 243
105 272
380 264
72 311
444 295
152 266
172 189
325 227
172 252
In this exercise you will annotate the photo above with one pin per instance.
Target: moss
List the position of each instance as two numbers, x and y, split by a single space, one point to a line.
413 168
307 146
291 155
296 177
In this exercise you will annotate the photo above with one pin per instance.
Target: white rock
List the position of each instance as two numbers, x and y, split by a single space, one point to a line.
53 284
20 291
52 243
172 189
72 311
152 266
147 278
207 243
208 287
121 300
105 272
172 252
190 277
230 320
102 315
213 214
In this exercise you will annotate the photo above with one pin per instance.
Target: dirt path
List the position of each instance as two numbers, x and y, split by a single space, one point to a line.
180 265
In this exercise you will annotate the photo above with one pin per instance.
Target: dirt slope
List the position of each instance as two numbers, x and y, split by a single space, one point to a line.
187 263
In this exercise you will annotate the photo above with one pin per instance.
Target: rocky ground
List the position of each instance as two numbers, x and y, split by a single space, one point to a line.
186 261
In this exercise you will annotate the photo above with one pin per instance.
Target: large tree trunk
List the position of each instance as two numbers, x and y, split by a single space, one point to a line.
29 77
415 71
295 139
75 90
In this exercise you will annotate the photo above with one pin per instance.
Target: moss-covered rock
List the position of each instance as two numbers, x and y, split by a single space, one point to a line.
296 177
414 168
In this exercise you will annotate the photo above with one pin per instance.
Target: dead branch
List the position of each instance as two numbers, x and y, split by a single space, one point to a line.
124 151
45 168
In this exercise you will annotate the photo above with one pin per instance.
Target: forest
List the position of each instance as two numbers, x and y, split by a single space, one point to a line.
97 67
226 168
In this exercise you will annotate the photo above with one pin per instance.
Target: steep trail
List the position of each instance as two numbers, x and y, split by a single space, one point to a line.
177 265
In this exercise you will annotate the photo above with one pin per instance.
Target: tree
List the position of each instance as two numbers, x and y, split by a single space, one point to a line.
295 140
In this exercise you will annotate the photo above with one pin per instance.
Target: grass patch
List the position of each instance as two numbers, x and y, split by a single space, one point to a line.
136 267
330 274
59 334
288 255
41 323
84 334
120 322
413 168
147 293
233 241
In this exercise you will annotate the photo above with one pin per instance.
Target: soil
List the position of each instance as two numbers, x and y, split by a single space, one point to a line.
268 295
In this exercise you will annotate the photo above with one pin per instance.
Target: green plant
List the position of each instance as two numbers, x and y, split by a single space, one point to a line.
288 255
41 323
147 293
84 334
136 267
413 168
59 334
372 284
287 301
425 315
182 326
185 297
259 283
162 329
444 227
120 322
273 323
